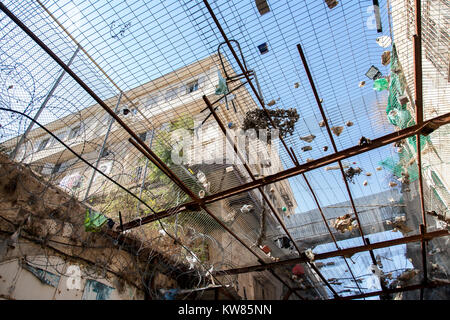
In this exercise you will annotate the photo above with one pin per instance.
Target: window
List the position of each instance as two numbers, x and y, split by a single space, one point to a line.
43 144
56 168
61 136
75 132
105 153
143 136
39 168
138 174
171 94
151 101
191 87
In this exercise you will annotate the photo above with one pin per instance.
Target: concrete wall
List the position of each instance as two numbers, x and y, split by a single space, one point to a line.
44 246
53 278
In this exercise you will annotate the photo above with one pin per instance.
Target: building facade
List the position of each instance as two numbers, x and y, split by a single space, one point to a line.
154 110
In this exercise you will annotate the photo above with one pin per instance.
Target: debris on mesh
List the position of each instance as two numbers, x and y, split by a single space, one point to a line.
337 130
363 141
308 138
408 275
351 172
384 41
345 223
336 167
284 121
331 3
386 58
399 224
309 254
306 148
403 99
404 179
380 84
265 249
246 208
230 216
263 48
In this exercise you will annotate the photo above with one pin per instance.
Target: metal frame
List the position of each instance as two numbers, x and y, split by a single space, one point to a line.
341 252
298 169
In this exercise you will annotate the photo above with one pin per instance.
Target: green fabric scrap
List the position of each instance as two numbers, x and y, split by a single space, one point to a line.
222 88
94 221
381 84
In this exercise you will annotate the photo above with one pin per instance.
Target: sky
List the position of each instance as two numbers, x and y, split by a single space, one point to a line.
137 41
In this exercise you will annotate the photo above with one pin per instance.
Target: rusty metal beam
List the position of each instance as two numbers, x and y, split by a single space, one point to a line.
342 252
422 286
333 143
157 216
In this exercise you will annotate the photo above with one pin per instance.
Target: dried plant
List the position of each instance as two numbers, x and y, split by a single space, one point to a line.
351 172
284 121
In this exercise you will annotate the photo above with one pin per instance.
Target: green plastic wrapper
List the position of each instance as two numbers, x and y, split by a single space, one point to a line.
94 221
381 84
222 88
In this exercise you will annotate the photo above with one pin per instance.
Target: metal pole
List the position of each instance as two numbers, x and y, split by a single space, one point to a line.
418 97
41 108
145 173
111 121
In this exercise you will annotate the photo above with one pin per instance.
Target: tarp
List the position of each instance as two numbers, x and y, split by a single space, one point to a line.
222 87
94 221
399 115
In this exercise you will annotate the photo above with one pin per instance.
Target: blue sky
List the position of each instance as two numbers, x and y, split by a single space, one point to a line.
340 46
